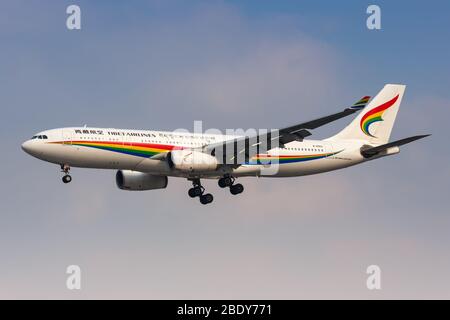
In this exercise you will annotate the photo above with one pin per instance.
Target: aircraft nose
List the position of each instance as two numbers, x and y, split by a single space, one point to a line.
31 148
26 146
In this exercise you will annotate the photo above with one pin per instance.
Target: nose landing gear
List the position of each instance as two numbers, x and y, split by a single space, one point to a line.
66 178
198 191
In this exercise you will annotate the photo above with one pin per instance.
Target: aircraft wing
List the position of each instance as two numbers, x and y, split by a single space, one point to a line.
240 150
300 130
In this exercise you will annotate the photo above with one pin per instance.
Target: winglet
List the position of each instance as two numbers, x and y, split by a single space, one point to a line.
361 103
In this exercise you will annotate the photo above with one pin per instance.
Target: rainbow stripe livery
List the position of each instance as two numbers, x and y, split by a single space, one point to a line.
282 159
148 150
375 115
145 150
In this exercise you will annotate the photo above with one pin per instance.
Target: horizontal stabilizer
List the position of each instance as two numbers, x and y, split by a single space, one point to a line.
370 152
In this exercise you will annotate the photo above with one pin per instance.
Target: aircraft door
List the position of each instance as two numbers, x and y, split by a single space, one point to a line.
67 136
328 147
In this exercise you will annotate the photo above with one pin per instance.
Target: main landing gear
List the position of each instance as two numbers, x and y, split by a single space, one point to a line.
228 181
66 178
198 191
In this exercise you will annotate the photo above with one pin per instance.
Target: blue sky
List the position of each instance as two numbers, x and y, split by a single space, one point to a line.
233 64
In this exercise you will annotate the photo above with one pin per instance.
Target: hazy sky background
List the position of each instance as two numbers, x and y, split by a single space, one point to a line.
233 64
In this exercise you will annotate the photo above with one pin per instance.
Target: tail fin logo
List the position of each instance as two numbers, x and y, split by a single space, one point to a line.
375 115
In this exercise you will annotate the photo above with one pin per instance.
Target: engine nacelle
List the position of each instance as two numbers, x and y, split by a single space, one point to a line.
192 161
138 181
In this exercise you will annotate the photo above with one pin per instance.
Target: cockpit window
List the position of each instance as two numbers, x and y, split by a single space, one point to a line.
39 137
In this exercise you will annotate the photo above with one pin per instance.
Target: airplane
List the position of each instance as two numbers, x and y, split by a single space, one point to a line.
144 159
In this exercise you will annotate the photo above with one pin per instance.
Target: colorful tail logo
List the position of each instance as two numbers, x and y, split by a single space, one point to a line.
375 115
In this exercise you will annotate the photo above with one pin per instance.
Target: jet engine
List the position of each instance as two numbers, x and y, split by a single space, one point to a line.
192 161
138 181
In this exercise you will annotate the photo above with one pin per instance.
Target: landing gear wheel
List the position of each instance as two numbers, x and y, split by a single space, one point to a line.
225 182
236 188
221 183
65 169
67 178
228 181
195 192
206 198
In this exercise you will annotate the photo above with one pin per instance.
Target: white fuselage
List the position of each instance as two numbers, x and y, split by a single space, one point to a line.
125 149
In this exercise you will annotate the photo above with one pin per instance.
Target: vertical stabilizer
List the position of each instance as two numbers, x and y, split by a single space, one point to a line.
374 123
